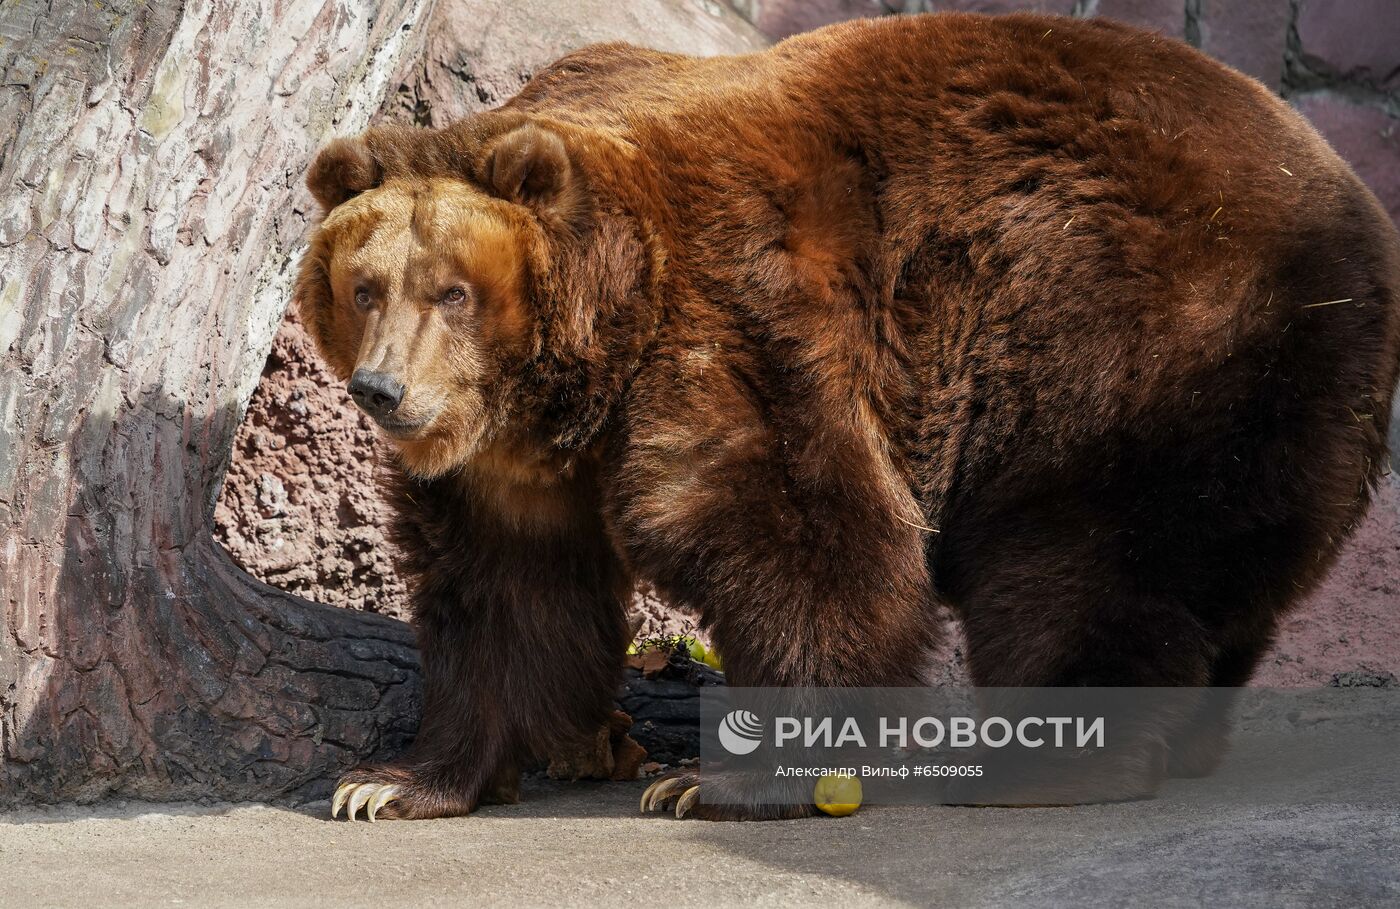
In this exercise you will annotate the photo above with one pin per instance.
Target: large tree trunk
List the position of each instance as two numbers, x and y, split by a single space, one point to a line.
150 206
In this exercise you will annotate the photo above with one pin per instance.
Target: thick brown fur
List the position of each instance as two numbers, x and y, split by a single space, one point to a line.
1032 317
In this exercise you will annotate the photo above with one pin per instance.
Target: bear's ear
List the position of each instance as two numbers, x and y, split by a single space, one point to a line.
313 299
343 169
530 166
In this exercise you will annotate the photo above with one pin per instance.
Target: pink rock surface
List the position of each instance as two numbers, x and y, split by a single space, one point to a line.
780 18
1250 35
1061 7
1350 622
1366 137
1165 16
1358 38
480 52
299 508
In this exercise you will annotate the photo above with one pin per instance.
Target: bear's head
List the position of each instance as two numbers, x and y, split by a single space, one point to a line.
429 283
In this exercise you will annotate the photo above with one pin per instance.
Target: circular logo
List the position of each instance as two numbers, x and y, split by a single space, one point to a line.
740 732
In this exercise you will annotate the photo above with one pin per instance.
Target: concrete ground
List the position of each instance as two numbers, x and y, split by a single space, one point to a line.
1295 842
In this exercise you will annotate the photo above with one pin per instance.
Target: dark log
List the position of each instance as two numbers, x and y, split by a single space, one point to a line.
665 708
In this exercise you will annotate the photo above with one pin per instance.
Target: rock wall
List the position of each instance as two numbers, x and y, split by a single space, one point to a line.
299 509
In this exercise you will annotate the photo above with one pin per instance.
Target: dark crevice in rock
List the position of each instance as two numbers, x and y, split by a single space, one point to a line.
1192 26
1306 74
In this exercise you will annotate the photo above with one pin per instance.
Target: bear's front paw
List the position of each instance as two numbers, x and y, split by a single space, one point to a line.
719 795
397 792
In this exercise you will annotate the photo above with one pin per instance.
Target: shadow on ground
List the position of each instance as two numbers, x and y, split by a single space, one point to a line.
1279 826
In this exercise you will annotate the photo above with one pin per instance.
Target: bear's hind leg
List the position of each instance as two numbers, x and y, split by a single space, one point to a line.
1060 616
1199 747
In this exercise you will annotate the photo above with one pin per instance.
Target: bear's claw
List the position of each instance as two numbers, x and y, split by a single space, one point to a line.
687 799
661 792
370 796
658 792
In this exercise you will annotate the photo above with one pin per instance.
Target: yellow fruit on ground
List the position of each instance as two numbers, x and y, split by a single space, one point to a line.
712 660
838 794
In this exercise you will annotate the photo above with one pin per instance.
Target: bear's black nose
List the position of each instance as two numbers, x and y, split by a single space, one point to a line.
377 393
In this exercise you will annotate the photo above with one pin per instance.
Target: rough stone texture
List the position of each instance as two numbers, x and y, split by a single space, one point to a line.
1165 16
1369 138
1250 35
1356 39
780 18
300 508
1061 7
1343 72
1349 623
480 52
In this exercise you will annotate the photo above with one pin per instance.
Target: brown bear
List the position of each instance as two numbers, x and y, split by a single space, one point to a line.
1058 323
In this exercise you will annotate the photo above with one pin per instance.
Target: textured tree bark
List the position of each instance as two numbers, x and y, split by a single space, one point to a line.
150 207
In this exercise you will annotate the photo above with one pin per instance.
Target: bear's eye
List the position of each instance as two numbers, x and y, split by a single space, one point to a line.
362 297
454 295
